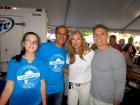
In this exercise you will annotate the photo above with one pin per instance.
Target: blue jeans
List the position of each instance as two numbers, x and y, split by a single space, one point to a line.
55 98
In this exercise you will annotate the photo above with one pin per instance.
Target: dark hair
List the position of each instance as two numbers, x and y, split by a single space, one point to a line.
99 26
113 36
22 52
58 27
130 38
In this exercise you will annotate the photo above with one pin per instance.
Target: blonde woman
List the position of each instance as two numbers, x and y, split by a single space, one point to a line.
79 60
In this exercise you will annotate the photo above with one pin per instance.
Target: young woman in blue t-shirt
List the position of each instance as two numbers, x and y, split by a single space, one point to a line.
26 75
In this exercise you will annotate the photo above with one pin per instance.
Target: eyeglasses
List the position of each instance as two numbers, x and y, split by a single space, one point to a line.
28 42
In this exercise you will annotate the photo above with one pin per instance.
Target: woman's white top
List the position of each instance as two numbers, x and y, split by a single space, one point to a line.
80 70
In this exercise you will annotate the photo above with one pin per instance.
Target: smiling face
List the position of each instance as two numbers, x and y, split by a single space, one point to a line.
30 43
100 36
76 41
61 37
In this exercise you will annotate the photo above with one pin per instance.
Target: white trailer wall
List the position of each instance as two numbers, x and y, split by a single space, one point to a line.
25 20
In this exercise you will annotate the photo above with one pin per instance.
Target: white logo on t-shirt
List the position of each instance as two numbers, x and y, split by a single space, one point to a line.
56 63
28 76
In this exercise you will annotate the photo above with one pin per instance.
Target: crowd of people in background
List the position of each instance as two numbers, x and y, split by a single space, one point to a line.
128 50
96 74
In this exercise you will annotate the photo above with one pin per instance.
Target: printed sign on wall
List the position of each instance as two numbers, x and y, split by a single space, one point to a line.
6 24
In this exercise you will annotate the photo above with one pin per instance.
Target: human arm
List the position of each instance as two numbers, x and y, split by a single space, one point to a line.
119 75
116 102
43 92
7 92
66 66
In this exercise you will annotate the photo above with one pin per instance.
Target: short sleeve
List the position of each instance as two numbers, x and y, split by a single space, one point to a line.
65 63
43 70
11 73
40 51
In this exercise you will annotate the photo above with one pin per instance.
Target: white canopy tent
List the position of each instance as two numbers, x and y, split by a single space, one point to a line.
118 15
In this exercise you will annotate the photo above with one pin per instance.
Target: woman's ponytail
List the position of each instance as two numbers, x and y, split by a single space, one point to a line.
19 57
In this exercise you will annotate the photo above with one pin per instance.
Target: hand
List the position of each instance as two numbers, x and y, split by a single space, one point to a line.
116 102
66 70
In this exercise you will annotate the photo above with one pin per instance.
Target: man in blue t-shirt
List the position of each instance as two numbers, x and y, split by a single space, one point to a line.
54 56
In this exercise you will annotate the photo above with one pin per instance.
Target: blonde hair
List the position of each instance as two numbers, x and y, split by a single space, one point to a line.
70 50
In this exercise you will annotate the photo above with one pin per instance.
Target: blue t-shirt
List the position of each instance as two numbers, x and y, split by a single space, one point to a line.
55 59
26 77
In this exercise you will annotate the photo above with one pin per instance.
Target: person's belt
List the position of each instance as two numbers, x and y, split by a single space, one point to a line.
78 84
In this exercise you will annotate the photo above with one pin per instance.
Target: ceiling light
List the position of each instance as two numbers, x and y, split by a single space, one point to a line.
14 8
